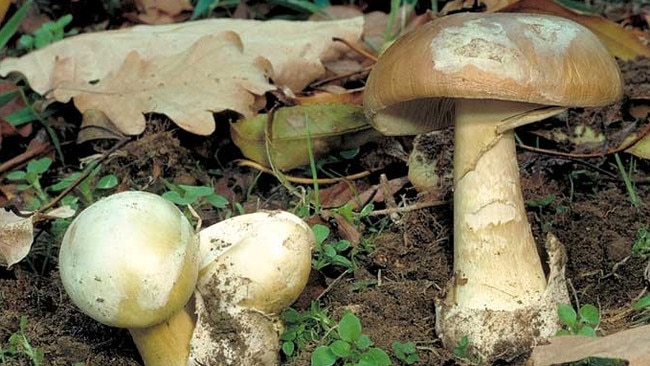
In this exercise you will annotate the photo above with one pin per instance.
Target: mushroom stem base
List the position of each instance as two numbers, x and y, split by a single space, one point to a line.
505 334
167 343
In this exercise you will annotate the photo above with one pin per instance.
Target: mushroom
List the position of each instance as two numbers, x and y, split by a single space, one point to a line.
253 267
131 260
490 73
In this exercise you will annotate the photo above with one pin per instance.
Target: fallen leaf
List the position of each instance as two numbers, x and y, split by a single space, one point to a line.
163 11
631 345
211 76
624 43
328 127
295 49
16 237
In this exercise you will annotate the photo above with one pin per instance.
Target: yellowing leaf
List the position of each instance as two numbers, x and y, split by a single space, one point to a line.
212 76
4 6
16 236
623 43
329 127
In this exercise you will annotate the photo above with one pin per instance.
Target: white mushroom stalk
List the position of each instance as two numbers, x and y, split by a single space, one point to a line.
488 74
254 266
132 260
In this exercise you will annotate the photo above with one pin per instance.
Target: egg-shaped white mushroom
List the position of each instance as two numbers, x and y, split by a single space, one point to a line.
254 266
132 260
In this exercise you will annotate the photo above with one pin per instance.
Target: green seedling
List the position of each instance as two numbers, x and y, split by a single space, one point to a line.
641 246
183 195
584 322
330 253
30 180
544 207
47 34
626 174
642 309
405 352
462 351
303 329
349 347
18 347
88 189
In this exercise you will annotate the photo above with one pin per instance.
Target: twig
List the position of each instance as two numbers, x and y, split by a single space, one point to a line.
318 83
85 175
613 150
331 285
301 180
356 49
409 208
25 156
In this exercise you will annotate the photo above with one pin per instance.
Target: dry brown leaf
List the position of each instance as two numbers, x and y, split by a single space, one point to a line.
631 345
16 236
623 43
212 76
162 11
295 49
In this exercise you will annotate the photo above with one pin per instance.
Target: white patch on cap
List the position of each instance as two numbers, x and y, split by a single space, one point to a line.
479 43
549 35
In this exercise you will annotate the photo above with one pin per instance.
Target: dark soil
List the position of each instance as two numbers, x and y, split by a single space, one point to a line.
393 289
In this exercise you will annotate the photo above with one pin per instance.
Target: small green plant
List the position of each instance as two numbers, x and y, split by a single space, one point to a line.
30 179
47 34
405 352
88 189
641 246
19 347
642 308
584 322
626 174
181 194
330 253
544 207
349 347
302 329
462 351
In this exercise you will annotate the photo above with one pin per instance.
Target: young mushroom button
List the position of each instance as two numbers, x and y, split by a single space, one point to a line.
487 74
132 260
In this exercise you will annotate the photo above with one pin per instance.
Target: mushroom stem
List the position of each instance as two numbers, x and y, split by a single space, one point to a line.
494 247
499 295
167 343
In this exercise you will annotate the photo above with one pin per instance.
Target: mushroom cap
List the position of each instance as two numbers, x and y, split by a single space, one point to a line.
257 261
130 260
528 58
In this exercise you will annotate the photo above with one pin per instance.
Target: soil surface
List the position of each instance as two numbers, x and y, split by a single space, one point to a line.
581 200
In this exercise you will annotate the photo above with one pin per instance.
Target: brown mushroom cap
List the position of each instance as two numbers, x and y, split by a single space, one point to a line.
529 58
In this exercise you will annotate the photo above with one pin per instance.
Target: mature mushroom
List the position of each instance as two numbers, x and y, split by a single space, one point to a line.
253 267
491 73
132 261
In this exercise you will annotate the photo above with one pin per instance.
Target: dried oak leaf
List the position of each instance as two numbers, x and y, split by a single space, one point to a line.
16 237
163 11
212 76
296 49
